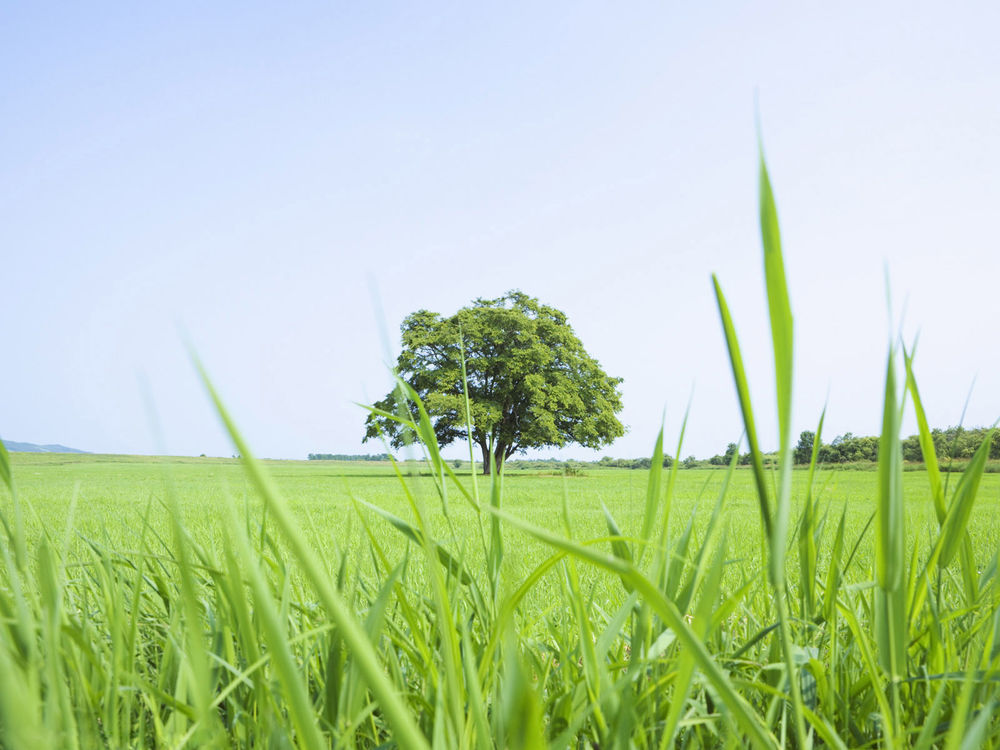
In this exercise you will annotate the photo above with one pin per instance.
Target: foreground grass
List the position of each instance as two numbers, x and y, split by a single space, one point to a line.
98 622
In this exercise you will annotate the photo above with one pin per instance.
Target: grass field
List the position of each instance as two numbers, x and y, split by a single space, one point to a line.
123 561
114 494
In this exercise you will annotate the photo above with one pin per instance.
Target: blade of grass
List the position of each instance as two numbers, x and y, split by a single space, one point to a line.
652 491
16 534
782 339
807 531
743 394
268 616
955 523
890 553
446 558
926 440
889 562
494 558
406 730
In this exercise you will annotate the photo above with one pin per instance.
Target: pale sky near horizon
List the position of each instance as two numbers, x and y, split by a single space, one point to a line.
244 174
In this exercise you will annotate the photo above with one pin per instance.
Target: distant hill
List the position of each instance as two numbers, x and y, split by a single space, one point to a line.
14 447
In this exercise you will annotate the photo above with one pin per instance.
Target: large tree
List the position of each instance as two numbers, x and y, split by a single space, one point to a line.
530 381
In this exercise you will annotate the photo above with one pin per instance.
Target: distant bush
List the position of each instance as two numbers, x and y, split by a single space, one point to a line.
633 463
349 457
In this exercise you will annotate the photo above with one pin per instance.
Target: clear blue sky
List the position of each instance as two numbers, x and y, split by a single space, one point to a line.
240 172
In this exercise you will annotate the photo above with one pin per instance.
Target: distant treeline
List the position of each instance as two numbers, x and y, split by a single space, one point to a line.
606 462
950 443
349 457
633 463
958 443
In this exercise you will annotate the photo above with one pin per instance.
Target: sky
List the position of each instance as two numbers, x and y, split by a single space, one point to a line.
276 186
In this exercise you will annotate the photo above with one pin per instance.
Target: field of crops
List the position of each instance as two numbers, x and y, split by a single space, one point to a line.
122 627
113 497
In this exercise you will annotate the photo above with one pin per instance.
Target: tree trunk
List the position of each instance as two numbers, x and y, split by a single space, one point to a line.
486 458
500 454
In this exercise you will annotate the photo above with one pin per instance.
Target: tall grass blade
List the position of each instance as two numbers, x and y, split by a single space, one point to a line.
890 555
743 394
775 520
618 545
660 559
926 440
453 564
6 476
975 735
700 624
468 414
16 535
653 491
889 509
777 301
494 558
406 731
518 714
782 339
269 618
808 531
954 527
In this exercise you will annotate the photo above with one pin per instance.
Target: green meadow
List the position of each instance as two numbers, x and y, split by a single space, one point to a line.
114 497
550 639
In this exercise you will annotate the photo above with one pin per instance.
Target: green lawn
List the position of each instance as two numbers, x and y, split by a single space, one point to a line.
116 495
113 493
171 602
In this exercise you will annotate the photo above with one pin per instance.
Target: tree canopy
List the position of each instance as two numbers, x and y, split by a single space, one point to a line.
530 381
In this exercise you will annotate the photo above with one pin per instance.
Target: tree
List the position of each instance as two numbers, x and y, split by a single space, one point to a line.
803 451
725 458
912 450
530 381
